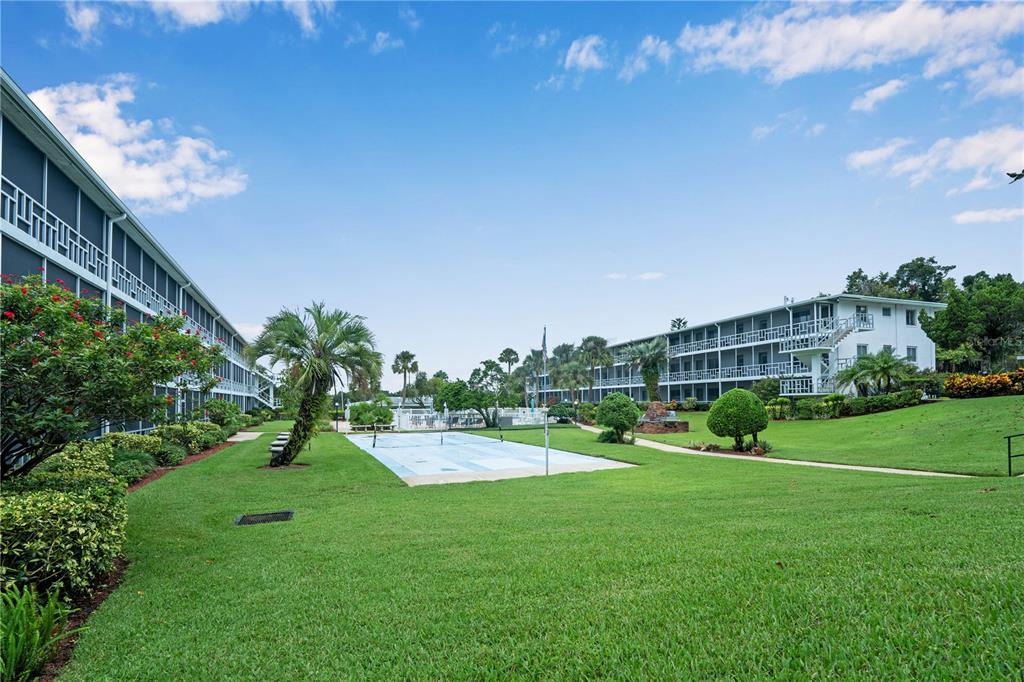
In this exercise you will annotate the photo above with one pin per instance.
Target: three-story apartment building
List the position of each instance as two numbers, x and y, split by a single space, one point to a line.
58 218
804 343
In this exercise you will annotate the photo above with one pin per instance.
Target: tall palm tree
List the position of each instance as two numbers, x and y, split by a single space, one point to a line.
571 375
649 357
562 353
677 324
318 348
860 375
405 364
509 357
533 365
594 352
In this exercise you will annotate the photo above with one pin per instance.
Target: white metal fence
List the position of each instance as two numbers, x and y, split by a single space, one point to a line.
417 419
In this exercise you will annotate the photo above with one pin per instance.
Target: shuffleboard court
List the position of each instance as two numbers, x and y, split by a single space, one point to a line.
455 457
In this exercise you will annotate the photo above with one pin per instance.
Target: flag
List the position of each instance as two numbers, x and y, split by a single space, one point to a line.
544 349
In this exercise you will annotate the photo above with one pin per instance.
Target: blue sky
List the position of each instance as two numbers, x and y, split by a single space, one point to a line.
463 174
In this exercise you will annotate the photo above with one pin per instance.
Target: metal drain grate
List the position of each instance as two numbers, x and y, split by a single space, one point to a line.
253 519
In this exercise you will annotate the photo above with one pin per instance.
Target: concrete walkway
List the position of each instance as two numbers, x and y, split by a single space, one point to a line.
243 436
664 447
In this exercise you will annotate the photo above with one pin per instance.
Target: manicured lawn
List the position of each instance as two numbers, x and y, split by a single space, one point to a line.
958 436
685 567
273 426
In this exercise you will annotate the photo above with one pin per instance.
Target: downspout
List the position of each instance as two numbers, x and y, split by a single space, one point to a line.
718 345
105 427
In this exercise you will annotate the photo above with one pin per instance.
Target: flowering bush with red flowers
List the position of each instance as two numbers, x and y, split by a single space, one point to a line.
985 385
69 363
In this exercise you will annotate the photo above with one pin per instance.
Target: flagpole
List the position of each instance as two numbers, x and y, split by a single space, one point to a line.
547 438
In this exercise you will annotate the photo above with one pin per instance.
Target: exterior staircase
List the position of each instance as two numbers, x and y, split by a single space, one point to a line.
825 333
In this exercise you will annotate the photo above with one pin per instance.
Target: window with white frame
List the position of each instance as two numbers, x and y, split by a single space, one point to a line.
862 310
912 353
886 312
862 350
887 347
912 317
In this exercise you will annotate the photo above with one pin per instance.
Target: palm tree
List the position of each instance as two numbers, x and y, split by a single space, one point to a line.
677 324
649 357
562 353
594 351
405 364
318 348
571 375
882 371
533 365
510 357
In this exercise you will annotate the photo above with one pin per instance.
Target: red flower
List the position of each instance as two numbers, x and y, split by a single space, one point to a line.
40 268
24 290
59 281
188 332
156 336
8 314
38 309
35 361
56 298
170 400
42 334
184 312
55 352
98 334
193 363
128 354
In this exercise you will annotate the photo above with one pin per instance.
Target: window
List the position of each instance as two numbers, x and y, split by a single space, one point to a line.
762 358
912 353
739 327
887 348
739 360
886 312
862 310
862 349
912 317
763 324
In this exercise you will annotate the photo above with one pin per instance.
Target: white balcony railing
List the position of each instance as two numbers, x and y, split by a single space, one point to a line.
716 374
131 286
31 217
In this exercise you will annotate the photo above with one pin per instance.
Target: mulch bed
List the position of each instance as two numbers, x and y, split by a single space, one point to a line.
668 427
83 609
86 605
160 471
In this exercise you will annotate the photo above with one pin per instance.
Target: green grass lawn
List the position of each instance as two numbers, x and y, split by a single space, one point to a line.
273 426
684 567
958 436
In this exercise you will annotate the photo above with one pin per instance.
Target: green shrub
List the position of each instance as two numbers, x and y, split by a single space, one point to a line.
587 413
368 413
804 408
779 408
766 389
62 527
562 412
169 454
608 436
132 441
186 434
736 414
619 413
689 404
29 632
130 470
220 412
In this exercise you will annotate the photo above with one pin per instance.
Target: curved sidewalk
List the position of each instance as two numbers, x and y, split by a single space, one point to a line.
664 447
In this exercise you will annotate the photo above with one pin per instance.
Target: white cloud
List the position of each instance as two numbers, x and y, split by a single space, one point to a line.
408 15
383 41
356 35
947 86
761 132
871 157
84 19
553 82
154 173
181 15
817 38
989 215
651 47
616 275
999 78
985 154
643 276
816 130
647 276
507 38
870 99
585 54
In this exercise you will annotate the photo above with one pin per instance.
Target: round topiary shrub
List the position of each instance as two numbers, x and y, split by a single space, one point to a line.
619 413
737 413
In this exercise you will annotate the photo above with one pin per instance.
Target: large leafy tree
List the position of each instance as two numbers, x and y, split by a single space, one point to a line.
594 352
983 321
508 357
649 357
485 392
405 364
318 348
70 363
921 279
533 367
573 376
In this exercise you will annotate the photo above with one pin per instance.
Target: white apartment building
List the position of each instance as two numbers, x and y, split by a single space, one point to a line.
804 343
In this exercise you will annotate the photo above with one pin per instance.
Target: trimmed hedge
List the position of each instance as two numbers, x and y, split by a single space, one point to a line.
132 441
62 526
736 414
193 436
985 385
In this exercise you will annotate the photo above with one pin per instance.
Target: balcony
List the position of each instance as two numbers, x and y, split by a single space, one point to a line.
718 374
32 218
